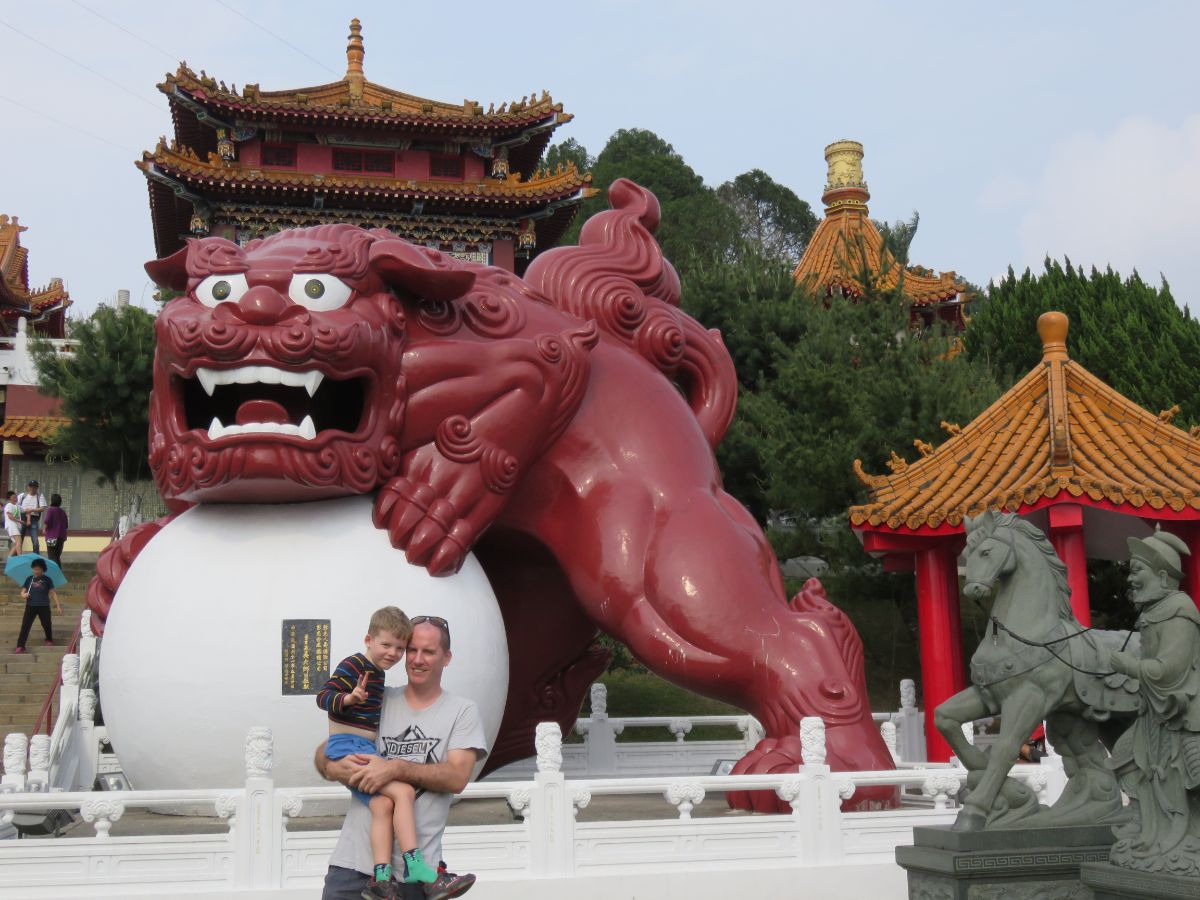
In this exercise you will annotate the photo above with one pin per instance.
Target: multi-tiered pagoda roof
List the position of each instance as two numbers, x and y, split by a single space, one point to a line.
458 176
44 307
847 239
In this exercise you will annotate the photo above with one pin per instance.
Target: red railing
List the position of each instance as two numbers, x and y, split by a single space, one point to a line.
45 719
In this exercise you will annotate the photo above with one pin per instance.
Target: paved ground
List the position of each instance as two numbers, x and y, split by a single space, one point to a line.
465 812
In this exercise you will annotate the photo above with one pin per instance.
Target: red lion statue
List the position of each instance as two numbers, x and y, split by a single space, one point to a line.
561 427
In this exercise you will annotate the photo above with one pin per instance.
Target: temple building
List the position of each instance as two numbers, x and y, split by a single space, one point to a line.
454 176
44 308
846 238
1062 449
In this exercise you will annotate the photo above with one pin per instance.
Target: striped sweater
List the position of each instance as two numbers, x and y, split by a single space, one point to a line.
332 696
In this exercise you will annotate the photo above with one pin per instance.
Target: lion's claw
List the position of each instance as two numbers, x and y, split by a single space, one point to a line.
447 559
426 527
424 538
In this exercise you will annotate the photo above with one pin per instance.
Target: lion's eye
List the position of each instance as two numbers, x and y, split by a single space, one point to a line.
319 292
221 289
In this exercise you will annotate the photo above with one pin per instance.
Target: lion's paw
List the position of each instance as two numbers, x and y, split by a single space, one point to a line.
425 526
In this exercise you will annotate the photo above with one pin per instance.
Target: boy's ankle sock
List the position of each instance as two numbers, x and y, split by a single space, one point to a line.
416 869
383 872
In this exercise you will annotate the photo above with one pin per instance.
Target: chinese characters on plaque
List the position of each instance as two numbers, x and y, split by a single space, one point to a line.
305 655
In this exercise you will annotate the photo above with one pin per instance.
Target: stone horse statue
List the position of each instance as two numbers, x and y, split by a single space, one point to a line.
1035 663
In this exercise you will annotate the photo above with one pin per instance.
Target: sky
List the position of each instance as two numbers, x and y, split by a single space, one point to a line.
1017 130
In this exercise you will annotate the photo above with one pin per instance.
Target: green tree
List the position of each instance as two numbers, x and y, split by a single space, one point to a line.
1133 336
898 236
696 225
824 381
568 151
775 223
104 389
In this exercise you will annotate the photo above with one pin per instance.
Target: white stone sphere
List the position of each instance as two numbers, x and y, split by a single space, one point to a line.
191 657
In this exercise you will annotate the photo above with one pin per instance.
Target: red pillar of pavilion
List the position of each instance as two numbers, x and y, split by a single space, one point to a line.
1066 534
1190 533
941 638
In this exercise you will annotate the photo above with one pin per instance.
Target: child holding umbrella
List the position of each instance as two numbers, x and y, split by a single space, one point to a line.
38 591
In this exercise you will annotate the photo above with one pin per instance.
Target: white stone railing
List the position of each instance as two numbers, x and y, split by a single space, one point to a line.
600 755
257 851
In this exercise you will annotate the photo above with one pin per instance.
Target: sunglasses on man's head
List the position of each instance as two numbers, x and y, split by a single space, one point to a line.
437 621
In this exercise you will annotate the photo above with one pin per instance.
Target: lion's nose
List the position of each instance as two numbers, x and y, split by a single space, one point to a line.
261 305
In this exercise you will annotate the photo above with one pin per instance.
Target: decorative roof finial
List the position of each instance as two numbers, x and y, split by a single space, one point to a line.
1052 327
844 185
354 61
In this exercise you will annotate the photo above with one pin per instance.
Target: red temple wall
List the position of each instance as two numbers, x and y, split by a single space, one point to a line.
503 255
23 400
412 164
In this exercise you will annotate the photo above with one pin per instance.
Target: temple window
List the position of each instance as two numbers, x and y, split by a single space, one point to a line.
371 162
445 166
281 155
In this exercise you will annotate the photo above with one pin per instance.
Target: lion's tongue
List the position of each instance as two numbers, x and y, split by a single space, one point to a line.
261 411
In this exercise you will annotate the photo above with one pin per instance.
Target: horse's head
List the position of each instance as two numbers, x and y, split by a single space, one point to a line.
991 555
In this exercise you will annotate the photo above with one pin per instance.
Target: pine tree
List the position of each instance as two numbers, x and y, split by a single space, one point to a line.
1133 336
104 389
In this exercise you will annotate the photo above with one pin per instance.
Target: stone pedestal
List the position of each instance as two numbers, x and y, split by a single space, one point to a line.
1109 882
1029 864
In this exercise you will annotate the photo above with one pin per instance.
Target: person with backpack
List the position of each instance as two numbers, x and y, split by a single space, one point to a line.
54 528
32 504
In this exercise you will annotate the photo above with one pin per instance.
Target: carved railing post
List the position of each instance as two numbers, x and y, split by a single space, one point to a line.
39 763
551 809
16 746
88 646
87 706
257 834
600 738
910 728
887 730
817 798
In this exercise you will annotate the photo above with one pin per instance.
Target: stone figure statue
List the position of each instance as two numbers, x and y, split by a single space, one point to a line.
1035 663
1158 759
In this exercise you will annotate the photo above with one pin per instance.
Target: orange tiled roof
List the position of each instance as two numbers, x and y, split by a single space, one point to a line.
834 248
15 293
847 238
544 186
1058 430
30 428
355 98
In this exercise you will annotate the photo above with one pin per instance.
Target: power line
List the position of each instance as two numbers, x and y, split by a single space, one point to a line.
86 68
278 38
59 122
120 27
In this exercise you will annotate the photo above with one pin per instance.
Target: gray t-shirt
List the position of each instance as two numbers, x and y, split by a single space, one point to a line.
420 736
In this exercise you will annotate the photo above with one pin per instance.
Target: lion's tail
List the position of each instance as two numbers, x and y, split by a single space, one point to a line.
617 276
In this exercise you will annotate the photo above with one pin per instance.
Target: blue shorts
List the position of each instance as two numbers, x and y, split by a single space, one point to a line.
340 745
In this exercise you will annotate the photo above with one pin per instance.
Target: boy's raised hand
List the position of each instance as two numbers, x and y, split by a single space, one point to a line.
359 694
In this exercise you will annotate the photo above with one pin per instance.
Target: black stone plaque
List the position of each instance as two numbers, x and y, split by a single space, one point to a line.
305 655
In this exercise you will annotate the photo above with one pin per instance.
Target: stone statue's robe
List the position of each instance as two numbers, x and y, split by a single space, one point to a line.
1159 757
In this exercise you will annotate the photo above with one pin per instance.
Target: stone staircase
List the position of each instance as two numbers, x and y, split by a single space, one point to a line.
26 679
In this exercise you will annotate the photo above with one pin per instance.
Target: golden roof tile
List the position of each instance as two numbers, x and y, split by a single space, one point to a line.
30 428
355 97
14 273
1059 429
846 239
563 182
